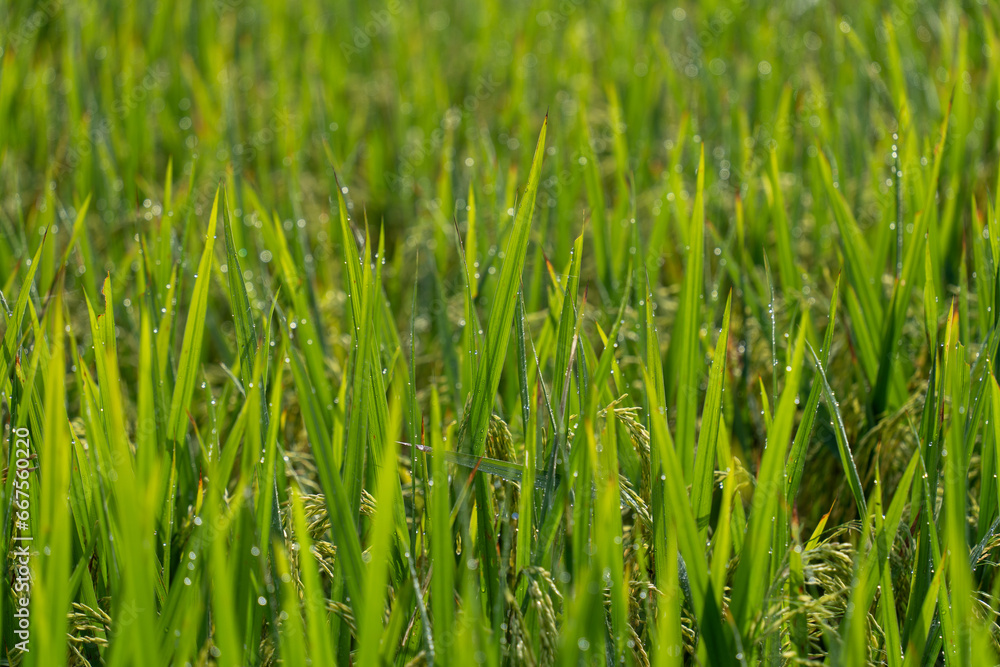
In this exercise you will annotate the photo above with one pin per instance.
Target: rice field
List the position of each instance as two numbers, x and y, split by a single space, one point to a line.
499 333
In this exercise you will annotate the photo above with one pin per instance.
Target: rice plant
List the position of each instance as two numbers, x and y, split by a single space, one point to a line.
502 333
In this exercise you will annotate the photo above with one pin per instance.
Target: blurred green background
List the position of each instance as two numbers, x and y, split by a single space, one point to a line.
832 133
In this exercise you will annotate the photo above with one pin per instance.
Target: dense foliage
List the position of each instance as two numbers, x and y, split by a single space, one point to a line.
499 332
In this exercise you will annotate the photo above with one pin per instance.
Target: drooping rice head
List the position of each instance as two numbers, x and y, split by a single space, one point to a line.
87 631
544 604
